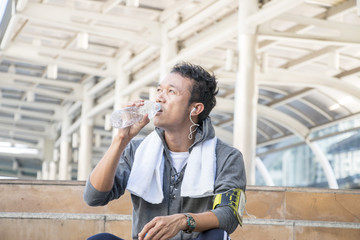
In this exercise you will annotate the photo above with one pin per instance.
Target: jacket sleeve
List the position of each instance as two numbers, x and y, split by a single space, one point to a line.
93 197
230 174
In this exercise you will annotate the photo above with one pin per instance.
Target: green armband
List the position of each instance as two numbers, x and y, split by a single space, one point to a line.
235 199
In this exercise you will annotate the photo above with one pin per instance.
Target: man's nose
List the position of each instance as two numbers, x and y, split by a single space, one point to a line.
160 97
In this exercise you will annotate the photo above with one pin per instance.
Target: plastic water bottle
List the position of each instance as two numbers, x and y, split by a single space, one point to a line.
125 117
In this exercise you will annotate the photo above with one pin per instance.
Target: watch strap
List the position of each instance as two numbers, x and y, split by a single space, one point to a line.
190 222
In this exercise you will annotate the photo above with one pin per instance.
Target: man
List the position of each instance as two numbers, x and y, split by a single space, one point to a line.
184 182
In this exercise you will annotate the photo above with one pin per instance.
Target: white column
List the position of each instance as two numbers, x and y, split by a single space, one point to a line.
52 170
86 136
246 91
53 165
65 149
45 168
168 49
48 157
121 82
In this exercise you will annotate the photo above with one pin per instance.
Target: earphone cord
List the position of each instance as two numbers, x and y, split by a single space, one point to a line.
193 124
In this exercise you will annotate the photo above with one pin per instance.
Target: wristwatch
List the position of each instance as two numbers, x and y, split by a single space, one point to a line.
190 222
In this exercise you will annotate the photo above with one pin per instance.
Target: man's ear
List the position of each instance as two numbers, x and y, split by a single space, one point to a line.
197 109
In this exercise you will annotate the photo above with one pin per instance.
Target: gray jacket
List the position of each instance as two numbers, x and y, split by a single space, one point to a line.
230 174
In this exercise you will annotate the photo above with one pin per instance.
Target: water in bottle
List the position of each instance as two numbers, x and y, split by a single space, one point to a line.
128 116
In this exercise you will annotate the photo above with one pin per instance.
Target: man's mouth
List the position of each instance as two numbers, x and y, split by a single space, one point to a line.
160 111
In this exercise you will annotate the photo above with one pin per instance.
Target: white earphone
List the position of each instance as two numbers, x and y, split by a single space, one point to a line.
193 124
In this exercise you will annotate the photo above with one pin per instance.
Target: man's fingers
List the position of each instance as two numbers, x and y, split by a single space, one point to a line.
160 228
137 103
152 230
146 229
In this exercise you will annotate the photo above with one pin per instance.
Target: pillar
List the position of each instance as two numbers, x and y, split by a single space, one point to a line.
168 48
246 91
65 149
121 82
52 170
47 158
86 135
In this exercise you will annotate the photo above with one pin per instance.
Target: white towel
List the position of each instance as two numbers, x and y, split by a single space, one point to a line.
199 176
146 177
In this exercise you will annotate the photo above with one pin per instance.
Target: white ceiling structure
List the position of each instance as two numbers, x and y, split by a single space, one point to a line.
57 53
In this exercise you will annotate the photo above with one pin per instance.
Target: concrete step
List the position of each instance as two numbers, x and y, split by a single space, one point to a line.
56 210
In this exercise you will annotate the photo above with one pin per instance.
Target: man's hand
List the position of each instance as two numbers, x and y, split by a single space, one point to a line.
131 131
164 227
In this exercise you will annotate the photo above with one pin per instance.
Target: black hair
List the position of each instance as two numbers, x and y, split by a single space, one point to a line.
204 87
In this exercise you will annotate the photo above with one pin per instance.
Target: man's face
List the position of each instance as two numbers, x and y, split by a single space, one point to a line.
173 93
